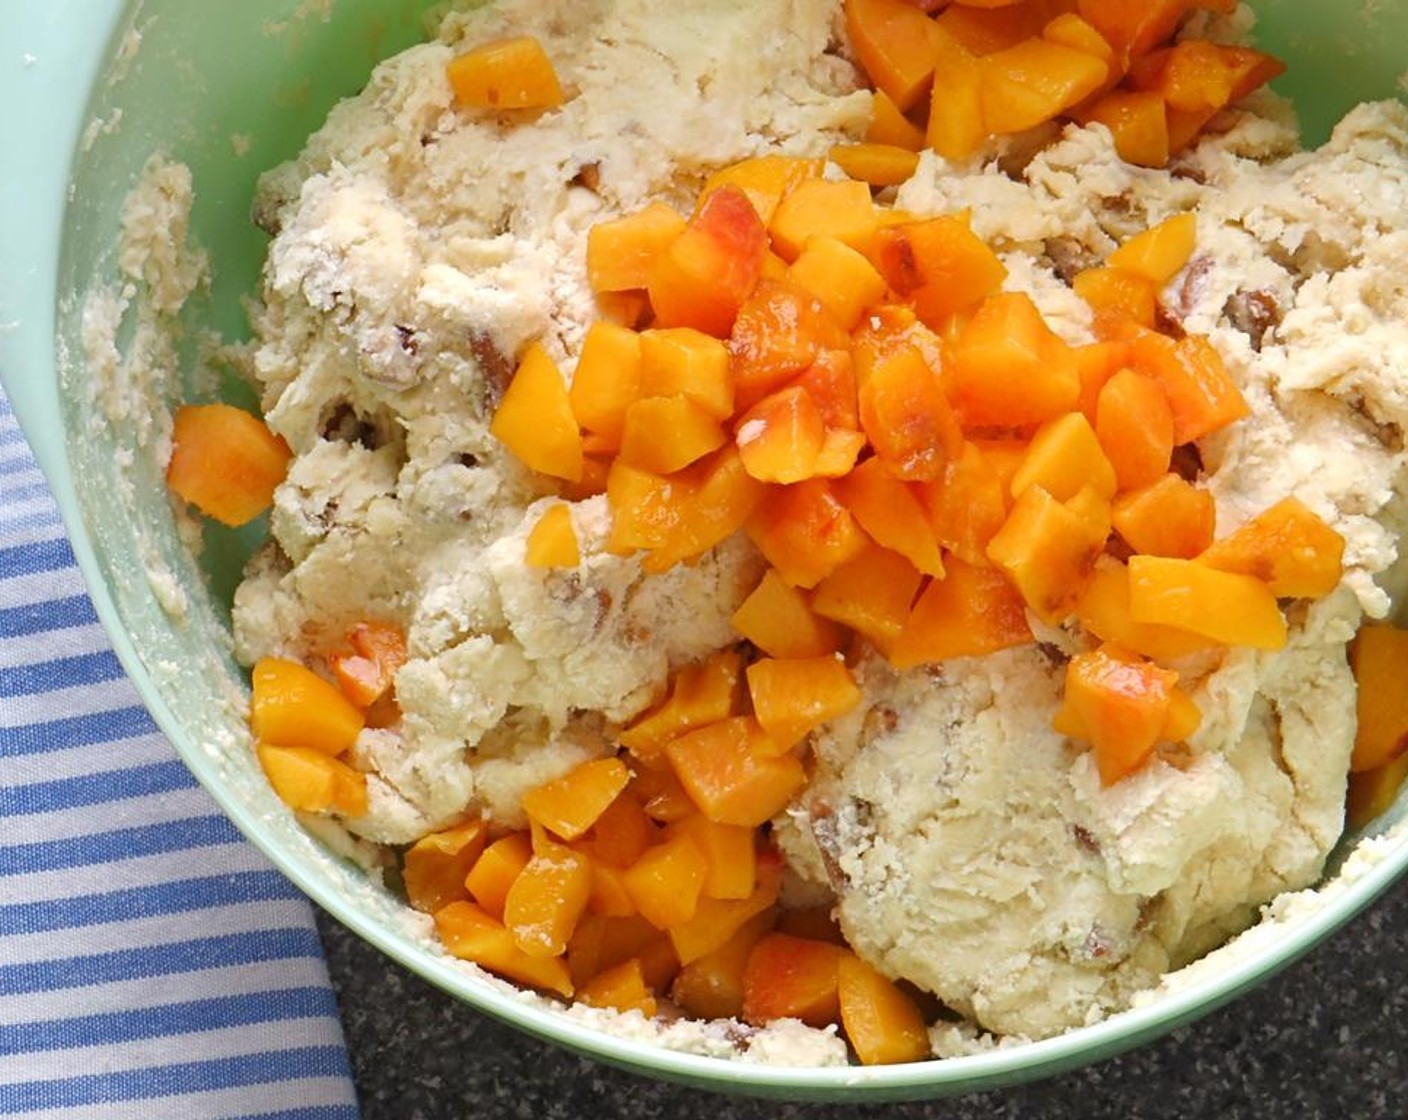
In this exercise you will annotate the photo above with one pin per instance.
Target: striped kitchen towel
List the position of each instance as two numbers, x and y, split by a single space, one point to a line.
152 962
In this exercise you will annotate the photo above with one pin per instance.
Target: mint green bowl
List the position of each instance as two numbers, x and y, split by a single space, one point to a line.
92 88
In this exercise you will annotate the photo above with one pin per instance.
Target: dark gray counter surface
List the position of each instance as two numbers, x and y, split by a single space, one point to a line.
1326 1038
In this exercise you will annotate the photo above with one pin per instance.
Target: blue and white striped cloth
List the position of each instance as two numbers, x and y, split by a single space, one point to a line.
152 962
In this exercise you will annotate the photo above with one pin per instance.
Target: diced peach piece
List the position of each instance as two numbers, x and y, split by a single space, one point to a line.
792 978
1234 609
667 881
1103 609
552 542
602 942
717 920
730 852
891 40
662 797
766 180
571 804
1372 793
1072 31
1120 703
535 420
1159 254
291 706
513 73
1049 548
1064 457
622 251
1135 27
646 509
889 125
872 594
1287 546
367 675
805 531
608 897
969 504
1171 517
840 450
987 27
1138 122
780 331
843 280
942 252
468 932
1096 364
707 272
434 867
1199 76
1134 424
716 497
890 513
711 986
878 165
907 417
621 833
606 380
1379 656
495 870
823 208
733 773
780 437
681 361
1119 292
882 1023
1008 369
971 612
309 780
621 988
225 462
546 899
777 618
1200 391
831 383
1033 81
955 128
704 692
663 435
791 698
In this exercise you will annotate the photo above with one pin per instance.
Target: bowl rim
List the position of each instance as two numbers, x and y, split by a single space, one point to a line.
32 211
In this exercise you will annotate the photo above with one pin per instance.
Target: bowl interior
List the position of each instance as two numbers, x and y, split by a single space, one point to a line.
230 90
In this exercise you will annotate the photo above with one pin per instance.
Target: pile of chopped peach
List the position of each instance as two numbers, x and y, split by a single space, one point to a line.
949 76
927 468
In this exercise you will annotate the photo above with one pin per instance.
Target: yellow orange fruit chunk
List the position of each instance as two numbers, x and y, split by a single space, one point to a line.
513 73
225 462
291 706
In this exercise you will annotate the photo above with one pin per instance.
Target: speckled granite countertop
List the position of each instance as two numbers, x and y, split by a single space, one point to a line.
1326 1038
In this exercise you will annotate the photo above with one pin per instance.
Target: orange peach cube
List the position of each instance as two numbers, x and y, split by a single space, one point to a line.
663 435
470 933
622 251
667 881
681 361
606 380
766 180
907 416
805 531
621 988
1120 704
872 594
1288 546
225 462
891 515
434 867
778 619
1008 370
571 804
495 870
308 780
1159 254
1033 81
1134 424
843 279
1234 609
552 542
793 697
730 852
513 73
734 773
1379 656
970 612
1170 518
1048 548
1103 609
535 420
792 978
710 986
1064 457
780 437
823 208
291 706
882 1023
546 900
